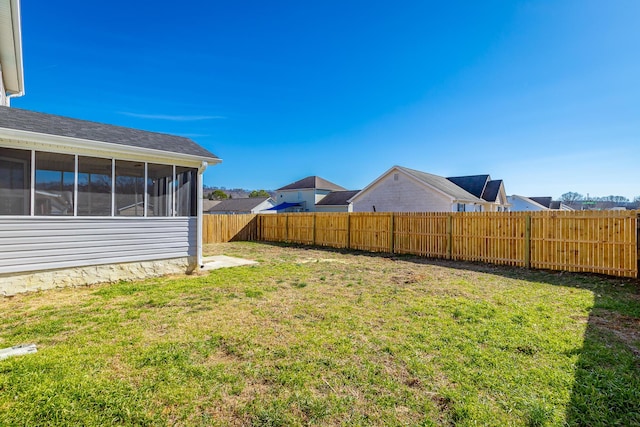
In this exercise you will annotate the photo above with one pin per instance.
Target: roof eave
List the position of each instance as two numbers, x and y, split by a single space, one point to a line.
83 144
13 70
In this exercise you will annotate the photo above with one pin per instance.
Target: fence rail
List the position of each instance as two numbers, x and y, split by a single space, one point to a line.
603 242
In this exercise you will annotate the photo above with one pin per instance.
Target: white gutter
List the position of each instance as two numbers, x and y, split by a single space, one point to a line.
201 169
17 48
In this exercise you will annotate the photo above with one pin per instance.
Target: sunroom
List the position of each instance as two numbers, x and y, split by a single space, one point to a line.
84 202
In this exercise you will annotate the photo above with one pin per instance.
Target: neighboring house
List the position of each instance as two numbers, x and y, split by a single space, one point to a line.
402 189
337 201
303 195
551 204
249 205
533 204
76 195
208 204
482 186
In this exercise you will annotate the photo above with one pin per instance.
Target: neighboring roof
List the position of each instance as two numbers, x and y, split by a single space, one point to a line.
474 184
491 190
48 124
11 47
442 184
337 198
208 204
238 205
312 182
527 200
544 201
283 206
555 204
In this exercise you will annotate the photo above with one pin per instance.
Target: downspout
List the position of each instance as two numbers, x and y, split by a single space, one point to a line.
201 169
13 95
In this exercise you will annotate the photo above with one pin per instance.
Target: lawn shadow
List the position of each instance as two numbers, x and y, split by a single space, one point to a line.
606 388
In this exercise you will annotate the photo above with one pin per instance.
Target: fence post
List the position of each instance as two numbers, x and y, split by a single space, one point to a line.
527 241
286 228
449 236
313 238
348 230
391 225
638 246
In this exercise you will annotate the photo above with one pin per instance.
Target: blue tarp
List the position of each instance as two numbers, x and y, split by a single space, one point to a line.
283 206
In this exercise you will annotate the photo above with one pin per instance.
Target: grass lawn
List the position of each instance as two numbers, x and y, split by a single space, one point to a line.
314 337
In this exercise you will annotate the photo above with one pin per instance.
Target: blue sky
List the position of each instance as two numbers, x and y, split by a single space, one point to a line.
542 94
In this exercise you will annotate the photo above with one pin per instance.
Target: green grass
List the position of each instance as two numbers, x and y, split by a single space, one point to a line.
311 337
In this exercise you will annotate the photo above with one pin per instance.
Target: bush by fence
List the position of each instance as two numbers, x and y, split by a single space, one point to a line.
603 242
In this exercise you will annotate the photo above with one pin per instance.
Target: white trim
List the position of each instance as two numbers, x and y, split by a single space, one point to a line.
174 193
70 145
32 186
11 49
146 190
75 185
113 187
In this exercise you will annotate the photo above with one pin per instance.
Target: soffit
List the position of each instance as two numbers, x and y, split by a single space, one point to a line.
11 46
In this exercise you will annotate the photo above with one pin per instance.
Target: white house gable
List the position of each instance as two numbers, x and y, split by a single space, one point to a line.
389 194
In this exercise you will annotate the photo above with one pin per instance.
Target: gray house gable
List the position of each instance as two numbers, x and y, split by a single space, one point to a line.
48 124
312 182
238 205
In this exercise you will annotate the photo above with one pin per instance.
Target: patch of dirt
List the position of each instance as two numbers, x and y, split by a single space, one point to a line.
625 328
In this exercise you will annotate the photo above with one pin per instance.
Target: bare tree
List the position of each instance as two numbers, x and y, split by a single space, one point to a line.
571 197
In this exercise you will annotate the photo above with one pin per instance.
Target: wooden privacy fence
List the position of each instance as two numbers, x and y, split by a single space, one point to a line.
227 228
603 242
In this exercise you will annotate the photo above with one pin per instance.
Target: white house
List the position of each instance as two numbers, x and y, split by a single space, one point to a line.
533 204
402 189
303 195
84 202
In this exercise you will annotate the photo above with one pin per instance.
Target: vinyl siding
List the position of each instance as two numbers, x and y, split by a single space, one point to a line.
306 198
403 195
33 244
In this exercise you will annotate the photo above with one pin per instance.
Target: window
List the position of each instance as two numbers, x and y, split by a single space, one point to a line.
70 185
186 193
461 207
159 190
54 184
15 182
94 186
129 188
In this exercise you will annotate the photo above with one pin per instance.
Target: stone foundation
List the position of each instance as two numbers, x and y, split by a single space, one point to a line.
16 283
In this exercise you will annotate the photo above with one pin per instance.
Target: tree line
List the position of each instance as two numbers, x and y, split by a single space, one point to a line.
221 194
572 197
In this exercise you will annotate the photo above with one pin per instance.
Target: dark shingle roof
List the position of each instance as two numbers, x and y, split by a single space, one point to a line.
544 201
337 198
555 204
238 205
314 182
491 190
17 119
473 184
